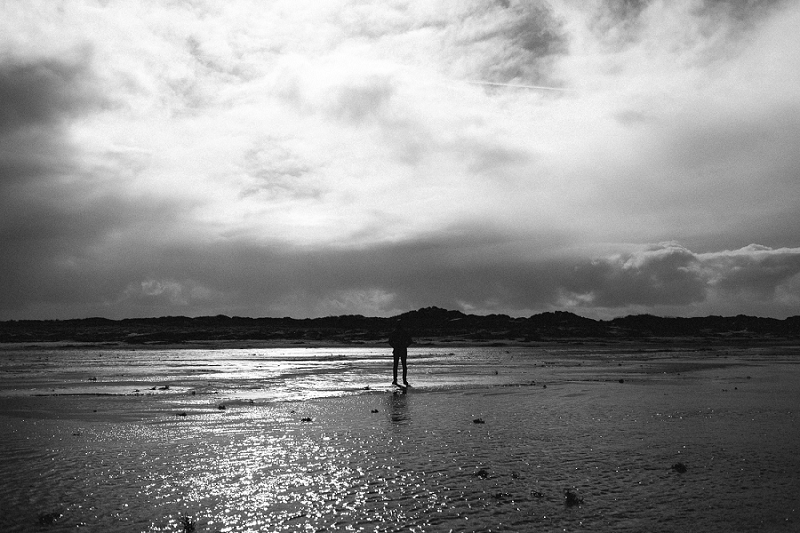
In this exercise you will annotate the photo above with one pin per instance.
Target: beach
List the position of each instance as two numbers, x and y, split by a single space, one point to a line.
646 438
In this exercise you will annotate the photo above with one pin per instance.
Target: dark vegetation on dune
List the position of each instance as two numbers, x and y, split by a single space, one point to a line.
430 324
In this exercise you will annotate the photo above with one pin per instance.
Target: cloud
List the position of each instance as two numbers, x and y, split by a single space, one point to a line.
38 92
626 22
38 97
170 294
754 271
498 42
44 212
670 275
310 158
658 275
469 269
336 87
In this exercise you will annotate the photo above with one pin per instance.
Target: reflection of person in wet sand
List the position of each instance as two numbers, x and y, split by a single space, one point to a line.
398 408
400 340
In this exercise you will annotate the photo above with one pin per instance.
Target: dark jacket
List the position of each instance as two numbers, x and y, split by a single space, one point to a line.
400 340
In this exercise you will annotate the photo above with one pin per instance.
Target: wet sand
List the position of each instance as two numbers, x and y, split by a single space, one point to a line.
494 456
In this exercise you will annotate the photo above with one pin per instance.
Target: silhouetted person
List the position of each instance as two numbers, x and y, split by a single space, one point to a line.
400 340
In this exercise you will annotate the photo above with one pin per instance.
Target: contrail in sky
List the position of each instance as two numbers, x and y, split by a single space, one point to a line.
516 85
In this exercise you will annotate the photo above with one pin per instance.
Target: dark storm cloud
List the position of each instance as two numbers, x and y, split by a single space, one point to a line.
52 214
144 279
251 279
657 276
458 271
44 91
755 270
64 248
37 98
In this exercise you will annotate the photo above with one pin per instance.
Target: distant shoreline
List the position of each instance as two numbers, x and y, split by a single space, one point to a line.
635 344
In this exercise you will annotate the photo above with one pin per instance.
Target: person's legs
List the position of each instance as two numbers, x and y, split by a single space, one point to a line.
396 360
403 357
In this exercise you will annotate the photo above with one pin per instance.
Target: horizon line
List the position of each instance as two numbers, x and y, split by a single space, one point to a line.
392 317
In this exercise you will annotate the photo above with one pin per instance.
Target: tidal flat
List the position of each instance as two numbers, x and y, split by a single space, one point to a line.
643 437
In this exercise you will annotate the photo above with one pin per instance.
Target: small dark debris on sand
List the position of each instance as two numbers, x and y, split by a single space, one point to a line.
622 381
571 499
374 411
482 473
537 494
221 407
188 524
478 421
48 519
679 468
181 414
307 419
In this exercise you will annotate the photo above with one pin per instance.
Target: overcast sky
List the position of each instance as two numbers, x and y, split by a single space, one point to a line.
310 158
